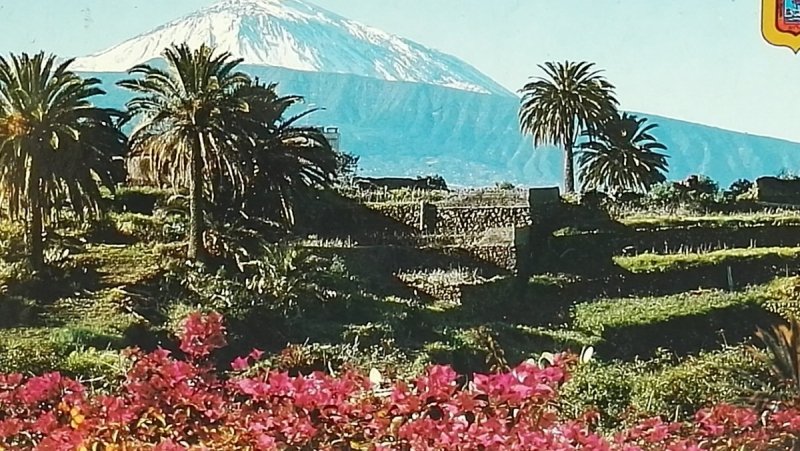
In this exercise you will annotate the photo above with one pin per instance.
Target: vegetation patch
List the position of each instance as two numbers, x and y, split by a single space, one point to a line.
596 317
654 263
622 393
731 221
684 323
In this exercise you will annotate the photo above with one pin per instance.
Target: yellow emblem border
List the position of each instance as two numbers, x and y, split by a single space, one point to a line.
769 13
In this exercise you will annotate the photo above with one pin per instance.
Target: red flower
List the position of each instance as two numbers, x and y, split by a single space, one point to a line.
202 334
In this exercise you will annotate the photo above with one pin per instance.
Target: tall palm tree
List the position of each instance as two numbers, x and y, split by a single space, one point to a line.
289 159
55 146
190 122
623 156
570 99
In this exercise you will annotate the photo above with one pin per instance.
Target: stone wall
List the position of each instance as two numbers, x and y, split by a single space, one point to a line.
408 214
476 220
502 256
435 220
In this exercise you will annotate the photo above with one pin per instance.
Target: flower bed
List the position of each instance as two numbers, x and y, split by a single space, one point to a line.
167 402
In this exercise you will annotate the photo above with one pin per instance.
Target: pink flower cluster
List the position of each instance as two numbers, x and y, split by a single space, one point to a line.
167 403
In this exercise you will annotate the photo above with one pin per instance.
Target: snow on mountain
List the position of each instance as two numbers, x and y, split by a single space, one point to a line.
298 35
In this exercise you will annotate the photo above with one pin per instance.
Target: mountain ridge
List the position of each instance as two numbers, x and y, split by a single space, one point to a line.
297 35
473 139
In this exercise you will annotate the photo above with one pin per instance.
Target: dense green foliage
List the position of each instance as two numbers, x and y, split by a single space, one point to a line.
624 392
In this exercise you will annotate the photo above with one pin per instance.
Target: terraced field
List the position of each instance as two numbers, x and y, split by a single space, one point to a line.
400 306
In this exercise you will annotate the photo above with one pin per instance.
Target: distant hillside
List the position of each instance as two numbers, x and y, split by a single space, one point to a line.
401 128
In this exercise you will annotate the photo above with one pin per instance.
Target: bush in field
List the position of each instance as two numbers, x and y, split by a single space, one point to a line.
739 188
696 191
172 403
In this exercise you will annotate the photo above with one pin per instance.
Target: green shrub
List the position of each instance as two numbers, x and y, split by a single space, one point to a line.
11 240
98 369
739 188
696 191
679 391
30 352
606 388
296 279
784 296
16 311
667 387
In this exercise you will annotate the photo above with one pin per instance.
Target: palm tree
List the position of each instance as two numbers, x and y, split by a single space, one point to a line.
191 117
288 160
622 156
55 146
571 99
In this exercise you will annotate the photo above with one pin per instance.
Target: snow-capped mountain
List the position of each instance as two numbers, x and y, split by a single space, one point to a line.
298 35
394 101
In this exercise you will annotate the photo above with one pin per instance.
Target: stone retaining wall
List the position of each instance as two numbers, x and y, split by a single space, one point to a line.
435 220
476 220
408 214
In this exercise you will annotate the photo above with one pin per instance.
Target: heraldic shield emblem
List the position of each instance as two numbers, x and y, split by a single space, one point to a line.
780 23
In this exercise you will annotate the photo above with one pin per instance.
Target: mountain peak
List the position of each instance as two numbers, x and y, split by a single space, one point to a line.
297 34
285 9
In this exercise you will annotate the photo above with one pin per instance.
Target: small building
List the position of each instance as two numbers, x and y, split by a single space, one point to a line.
332 135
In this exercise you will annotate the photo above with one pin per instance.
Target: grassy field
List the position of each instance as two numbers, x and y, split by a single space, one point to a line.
596 317
654 263
125 283
734 221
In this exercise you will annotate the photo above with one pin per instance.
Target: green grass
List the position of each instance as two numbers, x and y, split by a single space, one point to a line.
784 297
596 317
713 221
120 265
665 386
93 311
653 263
553 280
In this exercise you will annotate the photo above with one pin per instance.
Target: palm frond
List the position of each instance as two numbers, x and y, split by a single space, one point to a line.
622 156
51 131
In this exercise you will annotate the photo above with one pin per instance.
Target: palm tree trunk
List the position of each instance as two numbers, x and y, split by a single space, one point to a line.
569 169
34 236
195 200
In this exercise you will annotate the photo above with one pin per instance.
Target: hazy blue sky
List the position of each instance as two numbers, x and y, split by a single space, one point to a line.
698 60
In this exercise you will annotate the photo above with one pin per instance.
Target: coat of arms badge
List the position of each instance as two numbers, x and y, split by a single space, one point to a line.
780 23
